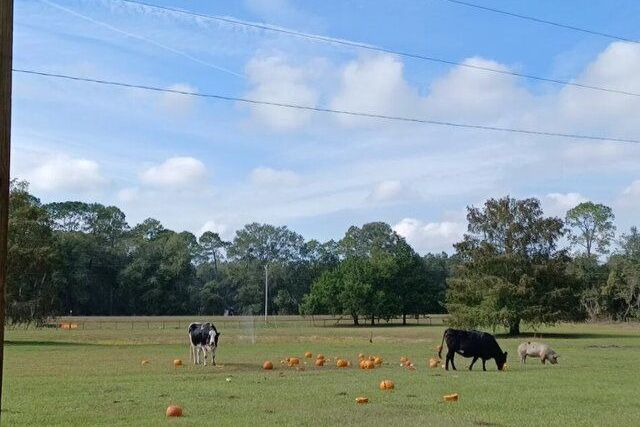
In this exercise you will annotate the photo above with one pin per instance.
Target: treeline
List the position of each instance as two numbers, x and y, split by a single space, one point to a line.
511 267
84 259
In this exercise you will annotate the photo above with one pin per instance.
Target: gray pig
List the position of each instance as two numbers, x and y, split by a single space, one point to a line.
536 349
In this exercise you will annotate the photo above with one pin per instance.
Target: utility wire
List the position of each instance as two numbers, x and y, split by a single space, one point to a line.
329 110
543 21
138 37
359 45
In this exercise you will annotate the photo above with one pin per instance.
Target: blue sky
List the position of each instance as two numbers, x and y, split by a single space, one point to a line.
201 164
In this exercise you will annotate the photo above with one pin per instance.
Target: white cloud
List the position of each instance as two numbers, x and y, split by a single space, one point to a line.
375 85
633 189
215 226
477 96
557 204
390 191
274 178
178 104
175 173
273 79
432 236
64 173
616 67
128 194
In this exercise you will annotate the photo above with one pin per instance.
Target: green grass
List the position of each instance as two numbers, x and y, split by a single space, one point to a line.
94 377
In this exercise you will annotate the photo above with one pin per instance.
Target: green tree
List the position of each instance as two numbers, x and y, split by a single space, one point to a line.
213 248
623 284
591 227
32 283
510 254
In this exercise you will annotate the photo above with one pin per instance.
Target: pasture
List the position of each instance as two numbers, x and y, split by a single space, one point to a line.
94 376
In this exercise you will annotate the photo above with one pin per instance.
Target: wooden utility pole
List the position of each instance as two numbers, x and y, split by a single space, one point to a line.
6 56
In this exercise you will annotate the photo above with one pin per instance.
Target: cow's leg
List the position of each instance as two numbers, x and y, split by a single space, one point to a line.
204 352
450 355
213 357
472 362
523 359
543 359
484 367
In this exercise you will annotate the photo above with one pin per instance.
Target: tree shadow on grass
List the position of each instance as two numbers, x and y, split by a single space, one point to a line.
382 325
565 335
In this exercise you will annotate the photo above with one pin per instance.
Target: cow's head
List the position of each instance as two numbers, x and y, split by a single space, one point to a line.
553 358
213 338
501 359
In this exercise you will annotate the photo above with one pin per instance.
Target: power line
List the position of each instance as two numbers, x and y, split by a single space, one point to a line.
359 45
329 110
144 39
543 21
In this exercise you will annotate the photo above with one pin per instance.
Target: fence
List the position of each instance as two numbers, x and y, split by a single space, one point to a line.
72 323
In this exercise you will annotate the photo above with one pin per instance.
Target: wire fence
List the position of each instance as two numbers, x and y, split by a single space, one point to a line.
75 323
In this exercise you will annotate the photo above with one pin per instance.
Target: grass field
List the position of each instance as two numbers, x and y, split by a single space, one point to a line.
94 377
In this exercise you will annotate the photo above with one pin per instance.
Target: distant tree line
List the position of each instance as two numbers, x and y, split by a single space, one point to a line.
85 259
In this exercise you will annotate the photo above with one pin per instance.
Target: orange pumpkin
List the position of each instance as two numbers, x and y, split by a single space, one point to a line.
434 362
341 363
387 385
319 362
174 411
362 400
177 362
403 360
308 355
368 364
293 361
145 362
320 356
377 360
267 365
451 397
439 348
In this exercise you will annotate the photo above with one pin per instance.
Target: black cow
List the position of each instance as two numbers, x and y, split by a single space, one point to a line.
476 344
203 336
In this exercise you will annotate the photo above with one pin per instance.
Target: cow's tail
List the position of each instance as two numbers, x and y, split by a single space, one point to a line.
444 335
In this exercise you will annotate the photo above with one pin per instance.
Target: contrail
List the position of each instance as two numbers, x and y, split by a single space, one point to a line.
142 38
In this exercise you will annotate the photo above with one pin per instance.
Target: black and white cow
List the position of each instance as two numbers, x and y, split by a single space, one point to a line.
203 337
476 344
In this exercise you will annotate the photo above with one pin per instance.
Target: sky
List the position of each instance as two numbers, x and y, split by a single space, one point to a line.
201 164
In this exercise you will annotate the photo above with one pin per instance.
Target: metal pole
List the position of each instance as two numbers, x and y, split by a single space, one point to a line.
6 57
266 291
